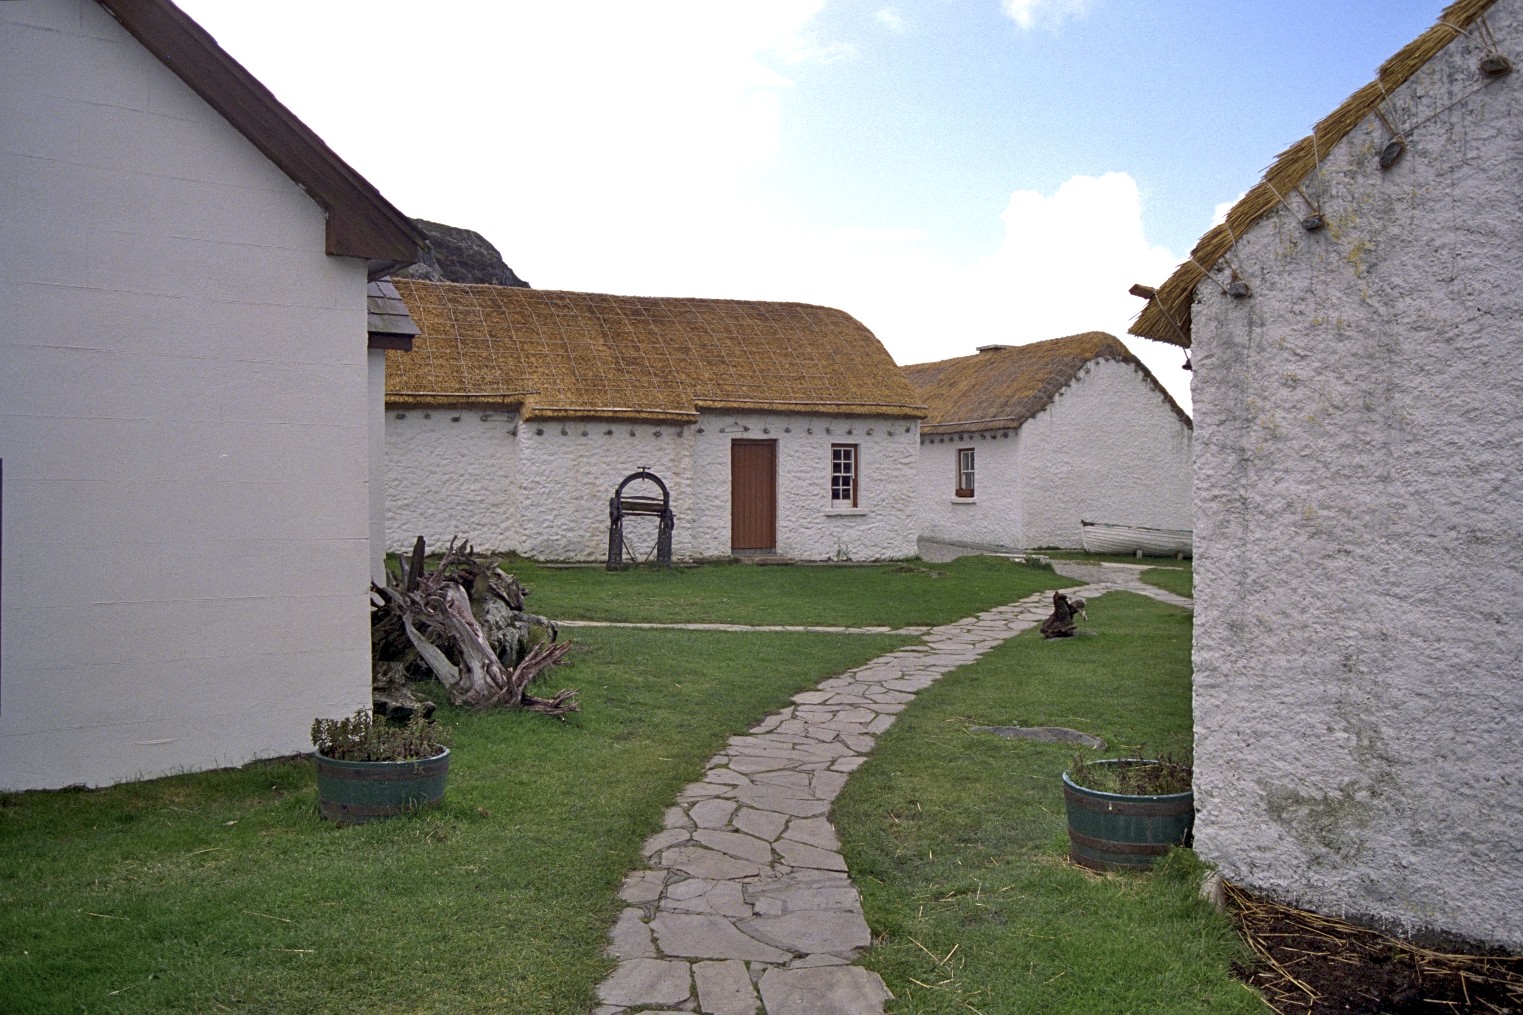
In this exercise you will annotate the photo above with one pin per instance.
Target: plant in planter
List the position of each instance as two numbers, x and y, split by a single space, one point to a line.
1124 813
369 769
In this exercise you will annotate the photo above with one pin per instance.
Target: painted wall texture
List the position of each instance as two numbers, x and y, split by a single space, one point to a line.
1108 449
182 425
542 488
1359 524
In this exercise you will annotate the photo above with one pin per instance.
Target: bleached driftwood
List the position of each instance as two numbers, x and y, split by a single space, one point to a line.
464 622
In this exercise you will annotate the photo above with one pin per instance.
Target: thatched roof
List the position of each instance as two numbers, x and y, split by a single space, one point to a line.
565 355
1167 316
1005 385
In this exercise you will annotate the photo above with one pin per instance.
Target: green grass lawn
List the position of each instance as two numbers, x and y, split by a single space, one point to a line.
895 595
224 891
957 839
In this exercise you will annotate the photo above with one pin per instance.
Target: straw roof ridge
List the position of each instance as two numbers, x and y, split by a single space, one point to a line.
1001 387
1166 318
555 354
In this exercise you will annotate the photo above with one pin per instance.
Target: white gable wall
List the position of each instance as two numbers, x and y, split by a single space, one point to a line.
182 425
1359 536
1109 448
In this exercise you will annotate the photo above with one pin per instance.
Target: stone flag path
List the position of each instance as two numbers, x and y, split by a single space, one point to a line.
746 907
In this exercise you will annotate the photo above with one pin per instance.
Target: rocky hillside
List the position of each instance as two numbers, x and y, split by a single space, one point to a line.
460 255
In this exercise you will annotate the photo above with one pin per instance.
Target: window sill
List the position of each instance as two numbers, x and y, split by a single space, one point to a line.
844 512
964 500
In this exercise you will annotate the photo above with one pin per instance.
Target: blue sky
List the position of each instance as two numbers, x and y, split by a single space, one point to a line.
950 172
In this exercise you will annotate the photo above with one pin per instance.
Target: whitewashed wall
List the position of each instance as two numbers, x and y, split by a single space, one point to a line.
182 425
450 472
542 487
994 516
1359 535
882 527
1108 449
568 471
375 439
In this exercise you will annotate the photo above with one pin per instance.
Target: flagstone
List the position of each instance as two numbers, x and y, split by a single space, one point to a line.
801 854
714 813
814 831
704 936
630 937
698 862
641 887
809 931
725 988
647 982
670 837
766 825
827 990
736 844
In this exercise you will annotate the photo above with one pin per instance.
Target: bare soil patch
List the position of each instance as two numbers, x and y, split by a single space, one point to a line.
1309 964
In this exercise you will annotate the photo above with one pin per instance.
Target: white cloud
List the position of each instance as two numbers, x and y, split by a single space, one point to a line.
1064 266
1026 13
891 19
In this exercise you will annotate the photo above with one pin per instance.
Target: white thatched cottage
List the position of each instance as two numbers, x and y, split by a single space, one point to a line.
1358 386
778 428
1022 443
187 402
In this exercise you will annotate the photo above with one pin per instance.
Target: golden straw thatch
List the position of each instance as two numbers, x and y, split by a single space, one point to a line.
1003 386
566 355
1167 316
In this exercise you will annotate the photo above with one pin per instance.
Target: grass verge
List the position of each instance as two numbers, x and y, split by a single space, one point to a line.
223 891
893 595
957 839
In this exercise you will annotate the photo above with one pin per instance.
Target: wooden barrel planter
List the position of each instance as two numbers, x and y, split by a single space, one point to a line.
354 792
1121 832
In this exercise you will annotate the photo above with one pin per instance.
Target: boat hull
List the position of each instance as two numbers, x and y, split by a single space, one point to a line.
1100 537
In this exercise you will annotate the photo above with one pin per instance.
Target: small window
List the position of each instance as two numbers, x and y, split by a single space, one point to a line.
964 472
843 475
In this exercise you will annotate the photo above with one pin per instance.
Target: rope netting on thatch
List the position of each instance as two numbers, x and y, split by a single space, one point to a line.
558 355
1166 318
1003 387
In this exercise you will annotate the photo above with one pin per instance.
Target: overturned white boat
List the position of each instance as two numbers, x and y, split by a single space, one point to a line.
1138 540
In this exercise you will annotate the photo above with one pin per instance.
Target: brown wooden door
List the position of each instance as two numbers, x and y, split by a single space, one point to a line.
753 496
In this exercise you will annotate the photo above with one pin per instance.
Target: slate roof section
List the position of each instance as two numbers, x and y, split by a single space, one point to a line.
568 355
389 323
361 223
1003 386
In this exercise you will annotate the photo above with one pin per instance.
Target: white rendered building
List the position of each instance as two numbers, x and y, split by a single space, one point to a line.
189 406
1356 330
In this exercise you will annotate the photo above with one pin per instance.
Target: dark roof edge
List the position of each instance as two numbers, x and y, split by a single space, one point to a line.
361 223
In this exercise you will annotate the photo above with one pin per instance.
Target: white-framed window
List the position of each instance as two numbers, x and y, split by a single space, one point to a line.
843 475
965 472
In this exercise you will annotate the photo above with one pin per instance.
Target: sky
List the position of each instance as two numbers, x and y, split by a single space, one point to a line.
952 173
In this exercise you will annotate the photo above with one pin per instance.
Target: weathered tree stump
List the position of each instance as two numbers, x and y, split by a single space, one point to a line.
464 623
1061 624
